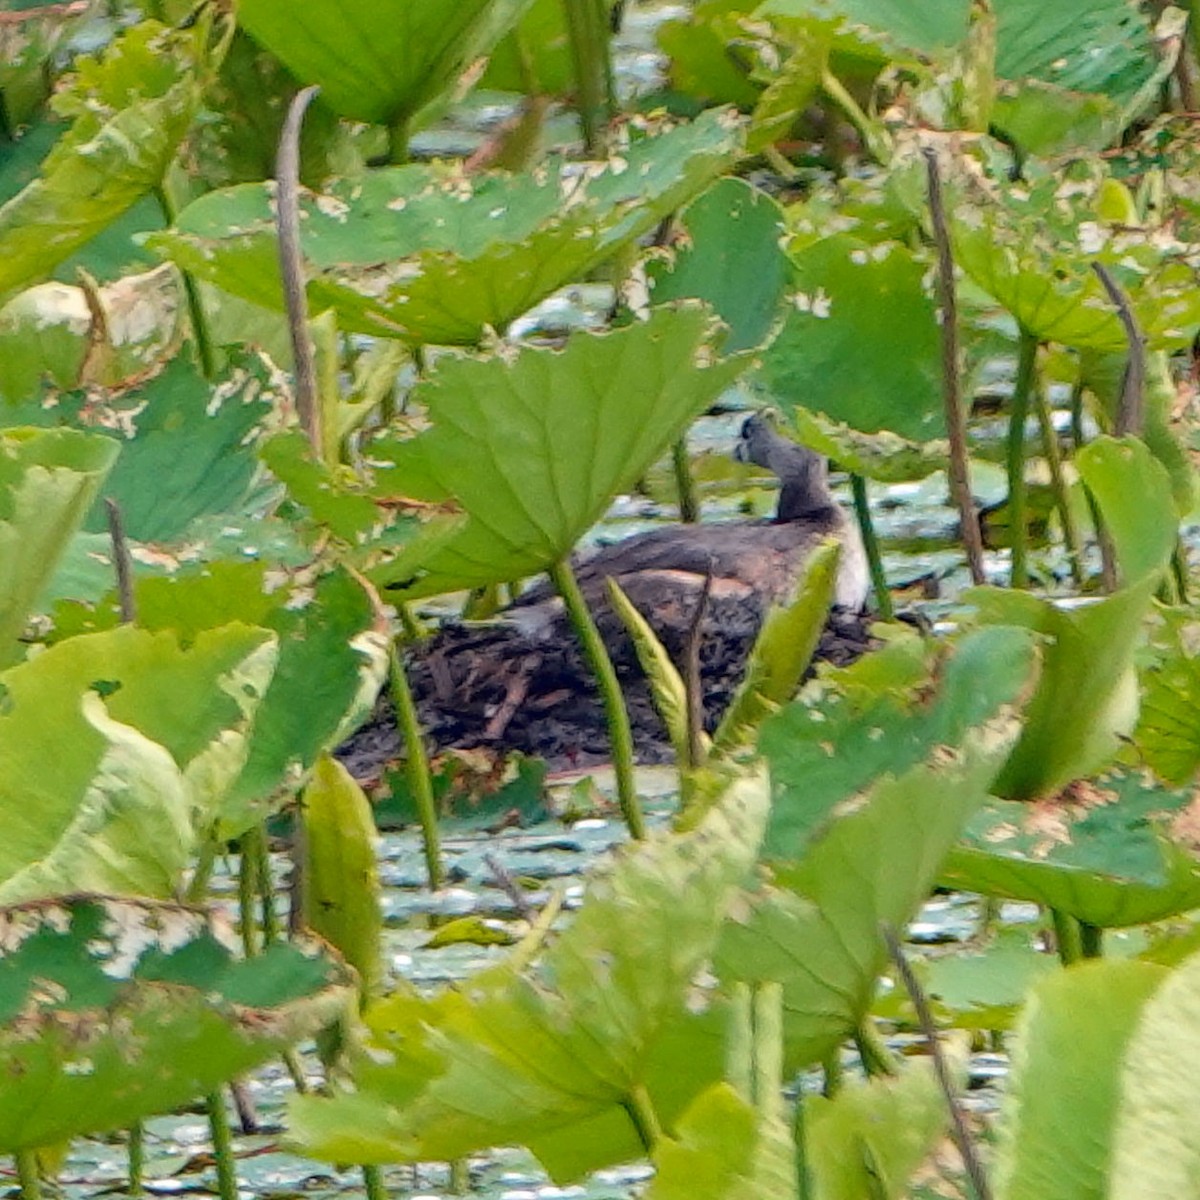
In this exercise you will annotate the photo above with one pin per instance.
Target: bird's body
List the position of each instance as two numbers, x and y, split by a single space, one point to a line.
519 682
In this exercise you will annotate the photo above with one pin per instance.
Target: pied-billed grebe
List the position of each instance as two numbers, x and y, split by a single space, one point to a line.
519 682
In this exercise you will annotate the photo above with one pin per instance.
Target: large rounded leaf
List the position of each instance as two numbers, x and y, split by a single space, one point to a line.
130 112
379 60
872 785
47 483
1102 852
116 750
114 1009
533 449
427 255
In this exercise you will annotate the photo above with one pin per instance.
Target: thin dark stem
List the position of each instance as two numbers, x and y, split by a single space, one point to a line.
693 685
1026 370
956 425
962 1135
619 730
291 265
416 766
191 294
685 487
122 561
862 510
509 886
222 1139
1132 406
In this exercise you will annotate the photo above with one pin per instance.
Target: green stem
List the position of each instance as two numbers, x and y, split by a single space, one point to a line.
1059 484
460 1177
1026 370
247 889
588 49
399 132
862 510
416 765
1077 436
1067 936
271 929
137 1158
873 136
1091 940
373 1183
831 1067
198 887
1179 570
685 486
222 1140
804 1186
619 729
191 292
640 1109
29 1175
876 1058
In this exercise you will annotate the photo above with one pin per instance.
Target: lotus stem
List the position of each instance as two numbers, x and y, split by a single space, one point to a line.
640 1109
260 854
588 36
804 1183
122 561
619 730
876 1058
1132 406
137 1158
685 485
1026 372
831 1070
29 1174
460 1177
416 766
959 472
222 1140
866 526
291 267
399 133
1091 940
191 294
1067 937
373 1183
1059 484
247 890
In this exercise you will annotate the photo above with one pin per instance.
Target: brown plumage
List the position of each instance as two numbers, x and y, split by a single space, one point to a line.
519 682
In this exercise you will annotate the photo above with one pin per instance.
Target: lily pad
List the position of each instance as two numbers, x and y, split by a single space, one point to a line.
1104 852
430 255
533 449
114 1009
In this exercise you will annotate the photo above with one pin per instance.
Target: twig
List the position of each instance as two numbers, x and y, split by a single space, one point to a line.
866 527
291 265
962 1136
122 561
509 886
693 687
956 426
1131 407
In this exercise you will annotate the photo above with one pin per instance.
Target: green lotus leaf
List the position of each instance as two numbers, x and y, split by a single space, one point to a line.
428 254
379 60
1102 852
130 111
856 835
1076 1035
860 345
48 480
550 1053
534 448
118 750
114 1009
